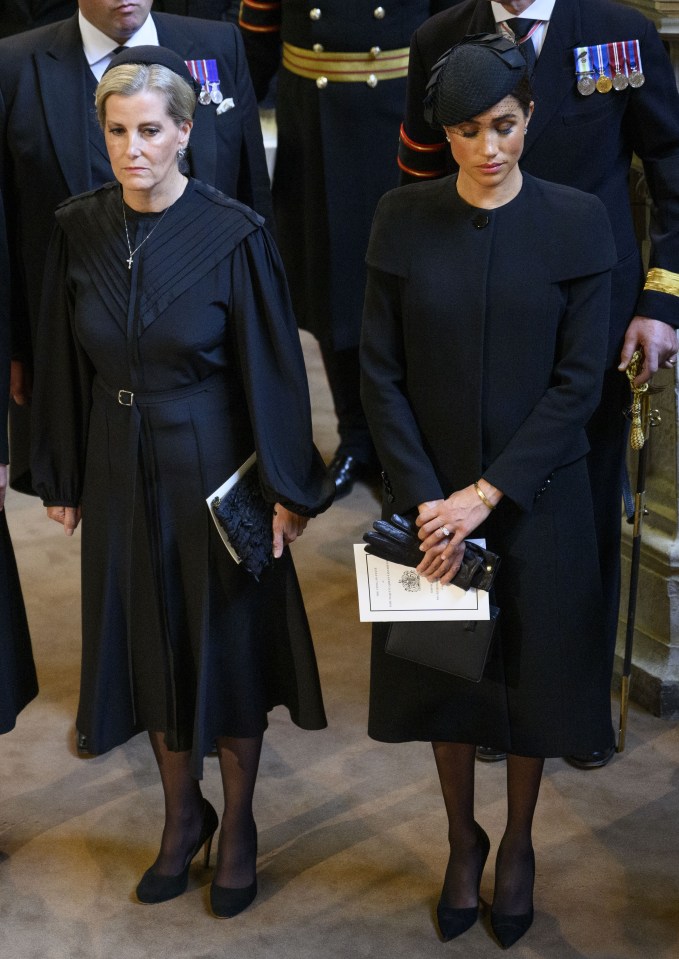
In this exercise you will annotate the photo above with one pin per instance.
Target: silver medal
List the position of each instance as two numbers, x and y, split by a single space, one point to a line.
586 85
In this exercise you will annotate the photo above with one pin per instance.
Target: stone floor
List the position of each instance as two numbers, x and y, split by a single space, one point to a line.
351 832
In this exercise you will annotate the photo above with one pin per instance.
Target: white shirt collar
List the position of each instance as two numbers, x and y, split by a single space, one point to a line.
98 47
538 10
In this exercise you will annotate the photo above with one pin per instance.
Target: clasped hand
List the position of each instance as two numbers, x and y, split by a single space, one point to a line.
460 514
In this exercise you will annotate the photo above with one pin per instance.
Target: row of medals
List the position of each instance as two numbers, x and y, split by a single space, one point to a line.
210 93
587 84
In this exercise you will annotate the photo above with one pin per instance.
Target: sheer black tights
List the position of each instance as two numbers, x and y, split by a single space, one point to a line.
514 872
237 852
183 807
236 856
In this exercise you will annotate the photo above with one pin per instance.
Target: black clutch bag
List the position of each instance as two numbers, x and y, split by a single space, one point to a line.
396 540
245 518
459 647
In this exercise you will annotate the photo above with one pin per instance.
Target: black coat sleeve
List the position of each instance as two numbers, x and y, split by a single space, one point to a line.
652 123
254 188
547 439
396 435
261 28
422 151
272 365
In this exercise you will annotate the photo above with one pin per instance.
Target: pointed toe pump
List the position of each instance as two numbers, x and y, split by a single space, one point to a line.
509 929
454 922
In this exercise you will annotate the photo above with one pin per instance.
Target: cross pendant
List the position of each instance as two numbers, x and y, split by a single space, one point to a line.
129 263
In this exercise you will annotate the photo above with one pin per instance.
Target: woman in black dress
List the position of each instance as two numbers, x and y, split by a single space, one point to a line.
18 682
483 350
167 353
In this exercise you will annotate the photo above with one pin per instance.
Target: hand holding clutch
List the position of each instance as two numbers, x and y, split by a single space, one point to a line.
396 540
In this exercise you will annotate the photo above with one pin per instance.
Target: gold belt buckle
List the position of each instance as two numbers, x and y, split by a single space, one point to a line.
125 397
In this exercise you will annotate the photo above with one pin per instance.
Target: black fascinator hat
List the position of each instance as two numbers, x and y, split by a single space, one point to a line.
471 77
149 56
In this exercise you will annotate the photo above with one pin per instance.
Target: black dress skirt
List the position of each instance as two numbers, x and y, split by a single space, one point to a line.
176 637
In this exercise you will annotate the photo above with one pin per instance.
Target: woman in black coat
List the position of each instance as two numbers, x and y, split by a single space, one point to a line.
18 682
167 353
483 350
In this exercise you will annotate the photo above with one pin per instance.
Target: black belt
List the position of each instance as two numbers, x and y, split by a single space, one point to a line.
130 397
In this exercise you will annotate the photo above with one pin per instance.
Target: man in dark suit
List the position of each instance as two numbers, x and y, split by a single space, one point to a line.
19 15
586 141
51 146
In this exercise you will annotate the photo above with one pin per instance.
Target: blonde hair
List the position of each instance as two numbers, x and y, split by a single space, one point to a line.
131 78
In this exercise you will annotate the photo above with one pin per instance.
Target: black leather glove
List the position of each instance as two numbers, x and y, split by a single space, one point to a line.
396 540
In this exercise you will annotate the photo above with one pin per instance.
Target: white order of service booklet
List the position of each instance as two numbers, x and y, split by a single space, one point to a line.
389 593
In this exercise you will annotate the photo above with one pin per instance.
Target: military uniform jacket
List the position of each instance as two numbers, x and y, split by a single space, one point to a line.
335 145
586 142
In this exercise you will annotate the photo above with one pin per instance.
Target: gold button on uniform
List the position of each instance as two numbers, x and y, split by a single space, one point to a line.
372 80
318 48
379 13
375 52
321 83
315 13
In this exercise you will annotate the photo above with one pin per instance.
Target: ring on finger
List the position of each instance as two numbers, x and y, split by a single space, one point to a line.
444 531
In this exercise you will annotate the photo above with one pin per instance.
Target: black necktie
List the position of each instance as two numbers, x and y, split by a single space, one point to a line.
520 26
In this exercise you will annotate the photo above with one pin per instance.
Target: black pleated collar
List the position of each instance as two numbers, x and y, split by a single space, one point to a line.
202 227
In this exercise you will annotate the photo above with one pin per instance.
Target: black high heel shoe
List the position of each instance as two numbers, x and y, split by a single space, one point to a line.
453 922
154 887
509 929
226 902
